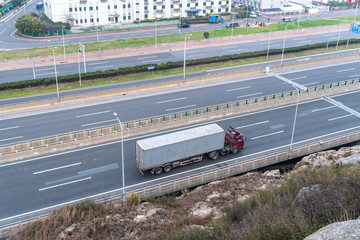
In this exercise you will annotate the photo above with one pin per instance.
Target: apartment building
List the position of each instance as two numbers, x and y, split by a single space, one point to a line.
104 12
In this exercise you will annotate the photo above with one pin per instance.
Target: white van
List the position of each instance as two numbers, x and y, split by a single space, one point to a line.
253 15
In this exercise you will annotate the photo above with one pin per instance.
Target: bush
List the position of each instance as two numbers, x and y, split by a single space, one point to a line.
132 199
206 35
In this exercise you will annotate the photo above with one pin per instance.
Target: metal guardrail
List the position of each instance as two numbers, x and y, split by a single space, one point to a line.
253 104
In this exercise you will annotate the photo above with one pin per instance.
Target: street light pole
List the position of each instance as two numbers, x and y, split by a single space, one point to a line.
186 35
232 27
155 34
97 33
56 79
298 22
62 31
122 157
282 54
267 54
293 129
337 43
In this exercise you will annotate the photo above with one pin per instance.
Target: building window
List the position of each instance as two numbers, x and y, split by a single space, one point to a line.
75 9
80 20
145 16
154 7
204 3
211 11
172 6
91 8
97 8
204 11
97 19
129 17
137 4
180 5
137 11
115 6
70 9
85 20
124 17
108 6
219 2
124 6
219 10
109 19
85 9
188 5
227 2
146 8
227 9
129 6
212 3
77 21
91 20
196 4
163 6
137 19
79 9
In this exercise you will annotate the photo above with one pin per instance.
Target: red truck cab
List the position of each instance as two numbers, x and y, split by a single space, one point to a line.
234 140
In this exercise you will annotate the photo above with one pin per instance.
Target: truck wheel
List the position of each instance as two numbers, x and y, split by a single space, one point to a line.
235 151
158 170
214 155
167 168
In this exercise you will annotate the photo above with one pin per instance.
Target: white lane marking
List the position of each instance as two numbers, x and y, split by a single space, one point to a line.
6 139
190 51
63 184
328 35
357 75
234 89
96 63
147 57
298 78
171 100
195 55
155 60
303 59
320 109
53 169
299 38
308 84
274 45
230 47
253 124
235 50
147 33
2 31
103 66
171 109
249 95
305 41
344 70
266 135
8 128
90 114
44 69
336 118
89 124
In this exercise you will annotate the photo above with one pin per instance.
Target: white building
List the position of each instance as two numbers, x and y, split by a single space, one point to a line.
104 12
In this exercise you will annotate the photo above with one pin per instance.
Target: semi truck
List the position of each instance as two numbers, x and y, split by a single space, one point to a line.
215 19
162 153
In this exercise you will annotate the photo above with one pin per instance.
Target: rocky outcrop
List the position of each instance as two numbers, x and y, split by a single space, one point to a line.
349 230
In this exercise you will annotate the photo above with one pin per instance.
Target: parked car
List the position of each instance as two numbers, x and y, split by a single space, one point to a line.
184 25
232 25
286 19
258 13
253 15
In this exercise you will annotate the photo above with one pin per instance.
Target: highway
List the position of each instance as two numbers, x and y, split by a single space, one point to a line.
52 180
50 121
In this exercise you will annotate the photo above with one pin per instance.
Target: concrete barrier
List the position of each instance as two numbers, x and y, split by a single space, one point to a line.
159 123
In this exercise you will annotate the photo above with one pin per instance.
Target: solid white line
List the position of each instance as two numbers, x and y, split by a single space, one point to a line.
171 100
147 57
305 41
53 169
44 69
234 89
195 55
235 50
103 66
308 84
320 109
344 70
90 114
89 124
2 31
63 184
297 78
155 60
266 135
96 63
299 38
230 47
249 95
336 118
171 109
3 129
190 51
10 138
44 74
250 125
357 75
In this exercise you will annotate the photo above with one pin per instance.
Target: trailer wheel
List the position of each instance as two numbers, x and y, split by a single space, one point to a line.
214 155
235 151
158 170
167 168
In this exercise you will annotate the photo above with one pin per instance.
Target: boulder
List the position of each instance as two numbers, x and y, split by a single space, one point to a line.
349 230
353 159
301 199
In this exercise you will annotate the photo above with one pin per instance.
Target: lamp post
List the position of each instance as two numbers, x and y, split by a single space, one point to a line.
56 79
337 43
282 54
267 54
186 35
293 129
232 27
62 31
97 33
155 34
122 157
298 22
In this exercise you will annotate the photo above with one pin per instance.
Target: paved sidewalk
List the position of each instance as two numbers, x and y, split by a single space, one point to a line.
115 53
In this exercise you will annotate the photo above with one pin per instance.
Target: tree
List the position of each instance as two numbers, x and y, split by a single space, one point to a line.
28 24
17 2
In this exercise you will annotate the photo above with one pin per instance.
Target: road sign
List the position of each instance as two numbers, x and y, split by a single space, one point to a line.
355 28
81 47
